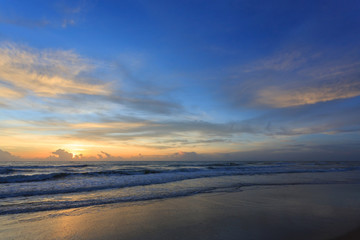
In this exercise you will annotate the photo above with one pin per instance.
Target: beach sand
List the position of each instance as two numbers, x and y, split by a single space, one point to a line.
273 212
352 235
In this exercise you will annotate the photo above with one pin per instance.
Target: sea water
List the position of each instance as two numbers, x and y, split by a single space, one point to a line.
40 186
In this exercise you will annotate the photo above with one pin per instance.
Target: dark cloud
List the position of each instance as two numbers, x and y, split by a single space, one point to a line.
337 116
106 154
184 156
61 155
341 116
6 156
145 104
301 151
208 132
286 152
177 156
334 152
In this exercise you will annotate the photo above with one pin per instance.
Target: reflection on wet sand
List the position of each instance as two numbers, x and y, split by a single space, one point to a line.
276 212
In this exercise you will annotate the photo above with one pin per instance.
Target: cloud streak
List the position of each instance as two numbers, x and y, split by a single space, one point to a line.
60 80
281 98
45 73
25 22
295 78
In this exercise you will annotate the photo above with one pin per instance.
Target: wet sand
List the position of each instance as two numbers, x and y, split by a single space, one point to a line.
352 235
277 212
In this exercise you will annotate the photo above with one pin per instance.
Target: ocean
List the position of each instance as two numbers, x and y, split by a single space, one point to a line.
28 187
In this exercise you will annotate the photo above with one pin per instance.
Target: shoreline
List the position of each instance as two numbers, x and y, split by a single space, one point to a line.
273 212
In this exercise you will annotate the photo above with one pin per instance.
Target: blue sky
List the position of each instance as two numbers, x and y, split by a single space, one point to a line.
196 79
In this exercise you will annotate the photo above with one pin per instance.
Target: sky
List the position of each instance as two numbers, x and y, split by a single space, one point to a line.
179 80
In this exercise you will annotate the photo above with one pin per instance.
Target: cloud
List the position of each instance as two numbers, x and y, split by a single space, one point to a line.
58 74
54 14
65 75
294 78
177 156
283 61
6 156
283 151
30 23
73 12
8 93
61 155
153 129
106 154
139 133
62 81
145 103
292 152
45 73
67 22
280 98
321 118
184 156
335 117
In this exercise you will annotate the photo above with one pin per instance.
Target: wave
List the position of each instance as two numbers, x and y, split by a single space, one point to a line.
117 179
103 183
10 170
6 170
150 194
17 167
26 187
60 205
208 171
55 176
32 178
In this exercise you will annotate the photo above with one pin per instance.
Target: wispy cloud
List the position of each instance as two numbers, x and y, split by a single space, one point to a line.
320 118
283 61
280 98
67 22
29 23
294 78
72 12
60 96
53 75
54 14
8 93
45 73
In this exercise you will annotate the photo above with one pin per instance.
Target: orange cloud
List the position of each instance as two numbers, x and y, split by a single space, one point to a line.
45 73
8 93
277 97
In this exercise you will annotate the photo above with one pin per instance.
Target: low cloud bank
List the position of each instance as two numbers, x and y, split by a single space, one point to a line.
6 156
289 152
